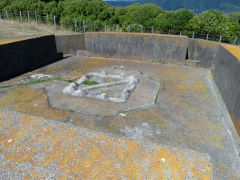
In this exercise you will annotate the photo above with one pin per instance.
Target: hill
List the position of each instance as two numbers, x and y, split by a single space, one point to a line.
197 6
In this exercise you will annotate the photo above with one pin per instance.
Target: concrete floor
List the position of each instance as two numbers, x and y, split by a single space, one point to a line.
183 114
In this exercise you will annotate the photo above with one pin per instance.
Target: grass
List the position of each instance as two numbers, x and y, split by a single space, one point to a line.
90 83
156 98
15 29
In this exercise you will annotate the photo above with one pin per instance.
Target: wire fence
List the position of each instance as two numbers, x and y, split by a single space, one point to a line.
80 25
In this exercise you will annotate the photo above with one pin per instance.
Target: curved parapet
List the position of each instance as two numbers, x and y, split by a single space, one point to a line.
162 48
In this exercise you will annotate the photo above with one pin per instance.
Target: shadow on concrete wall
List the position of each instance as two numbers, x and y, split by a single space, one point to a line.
23 56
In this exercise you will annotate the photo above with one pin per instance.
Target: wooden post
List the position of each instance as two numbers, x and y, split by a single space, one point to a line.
28 16
152 30
193 35
47 19
180 33
7 15
75 26
54 21
36 18
207 37
235 40
84 27
92 25
220 39
20 14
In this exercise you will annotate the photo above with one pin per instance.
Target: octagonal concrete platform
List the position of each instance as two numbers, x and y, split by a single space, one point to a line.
187 115
143 95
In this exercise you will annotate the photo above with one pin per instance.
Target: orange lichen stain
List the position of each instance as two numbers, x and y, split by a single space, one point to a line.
236 123
97 156
132 147
182 86
235 50
206 43
78 66
73 76
93 63
30 101
173 74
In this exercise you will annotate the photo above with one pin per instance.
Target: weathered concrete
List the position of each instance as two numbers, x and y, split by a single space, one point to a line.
204 51
36 148
187 112
163 48
18 57
70 44
227 78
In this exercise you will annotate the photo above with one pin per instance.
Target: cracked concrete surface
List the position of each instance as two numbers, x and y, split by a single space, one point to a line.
185 113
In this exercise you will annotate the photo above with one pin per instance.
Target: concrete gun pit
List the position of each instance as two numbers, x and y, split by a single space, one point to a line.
119 106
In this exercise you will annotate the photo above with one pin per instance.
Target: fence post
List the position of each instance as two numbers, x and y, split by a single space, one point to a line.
92 25
180 33
75 26
235 40
54 21
105 26
193 35
84 28
220 39
152 30
117 28
28 16
47 19
207 37
20 14
36 17
7 15
169 31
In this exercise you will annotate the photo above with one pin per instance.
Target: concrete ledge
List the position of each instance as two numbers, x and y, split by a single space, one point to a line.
139 46
22 56
227 78
204 51
70 43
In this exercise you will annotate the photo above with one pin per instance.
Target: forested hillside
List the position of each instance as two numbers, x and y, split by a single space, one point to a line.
131 18
203 5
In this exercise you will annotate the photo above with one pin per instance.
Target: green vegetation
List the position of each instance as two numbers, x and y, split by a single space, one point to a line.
156 98
133 18
90 83
235 16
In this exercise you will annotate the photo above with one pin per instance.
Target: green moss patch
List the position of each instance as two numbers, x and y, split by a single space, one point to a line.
90 83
